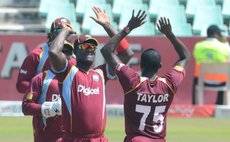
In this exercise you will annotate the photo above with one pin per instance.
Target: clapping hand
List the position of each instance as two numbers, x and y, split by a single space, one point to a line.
137 20
164 26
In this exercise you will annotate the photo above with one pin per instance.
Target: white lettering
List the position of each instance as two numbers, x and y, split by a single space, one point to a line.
150 98
144 99
15 57
55 97
23 71
87 91
139 96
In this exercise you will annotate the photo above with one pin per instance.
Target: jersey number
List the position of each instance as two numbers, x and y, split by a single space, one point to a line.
157 117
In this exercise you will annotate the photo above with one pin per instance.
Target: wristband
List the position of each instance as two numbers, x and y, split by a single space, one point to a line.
122 46
127 30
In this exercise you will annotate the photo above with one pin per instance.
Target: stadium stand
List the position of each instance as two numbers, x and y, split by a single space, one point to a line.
46 4
148 29
33 15
183 30
176 15
88 24
119 5
126 12
226 9
191 6
156 5
204 19
62 10
81 6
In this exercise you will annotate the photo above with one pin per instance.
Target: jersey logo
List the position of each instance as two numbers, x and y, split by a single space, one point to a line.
87 91
23 71
96 78
55 97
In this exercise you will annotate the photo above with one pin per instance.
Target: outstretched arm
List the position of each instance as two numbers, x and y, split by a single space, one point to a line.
184 54
57 57
103 19
110 46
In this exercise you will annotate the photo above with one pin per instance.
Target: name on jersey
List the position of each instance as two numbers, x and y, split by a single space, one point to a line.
88 91
150 98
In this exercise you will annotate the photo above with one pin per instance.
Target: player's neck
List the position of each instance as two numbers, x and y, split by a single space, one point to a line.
84 68
151 75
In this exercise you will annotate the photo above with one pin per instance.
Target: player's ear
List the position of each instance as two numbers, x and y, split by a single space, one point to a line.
160 65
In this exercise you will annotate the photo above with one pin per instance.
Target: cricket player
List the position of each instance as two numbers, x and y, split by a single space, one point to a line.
83 87
37 60
43 102
149 96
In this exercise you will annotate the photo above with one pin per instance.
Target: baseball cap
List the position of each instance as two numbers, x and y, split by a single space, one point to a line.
85 39
67 43
57 23
214 29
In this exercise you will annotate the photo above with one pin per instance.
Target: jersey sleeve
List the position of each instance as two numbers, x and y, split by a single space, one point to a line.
128 78
175 77
27 72
105 69
30 105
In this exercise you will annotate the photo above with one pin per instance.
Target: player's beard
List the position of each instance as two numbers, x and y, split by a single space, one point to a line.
86 62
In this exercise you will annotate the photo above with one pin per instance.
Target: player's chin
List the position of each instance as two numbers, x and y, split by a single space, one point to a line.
90 58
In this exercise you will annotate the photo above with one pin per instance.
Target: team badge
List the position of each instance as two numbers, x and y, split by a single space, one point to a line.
95 78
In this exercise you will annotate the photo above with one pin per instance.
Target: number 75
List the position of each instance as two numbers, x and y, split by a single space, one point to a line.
157 117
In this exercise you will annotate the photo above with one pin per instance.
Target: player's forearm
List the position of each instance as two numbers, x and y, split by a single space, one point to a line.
110 46
182 51
109 29
57 57
57 44
29 108
114 42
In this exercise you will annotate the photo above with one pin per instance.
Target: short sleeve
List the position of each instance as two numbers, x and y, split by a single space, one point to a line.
175 77
128 78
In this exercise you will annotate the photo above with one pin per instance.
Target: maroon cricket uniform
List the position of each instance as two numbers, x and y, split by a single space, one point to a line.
36 62
146 103
44 87
83 103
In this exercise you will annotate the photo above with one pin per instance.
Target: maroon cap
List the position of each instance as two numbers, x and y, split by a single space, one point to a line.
85 39
57 23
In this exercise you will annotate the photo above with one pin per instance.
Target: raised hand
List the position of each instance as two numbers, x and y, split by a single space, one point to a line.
164 26
137 20
102 17
66 27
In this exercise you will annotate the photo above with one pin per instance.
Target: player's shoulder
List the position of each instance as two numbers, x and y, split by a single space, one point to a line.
36 51
39 76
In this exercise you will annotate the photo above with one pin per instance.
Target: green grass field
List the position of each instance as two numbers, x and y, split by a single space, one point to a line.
19 129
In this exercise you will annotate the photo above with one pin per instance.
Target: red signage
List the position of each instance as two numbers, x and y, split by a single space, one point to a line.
14 48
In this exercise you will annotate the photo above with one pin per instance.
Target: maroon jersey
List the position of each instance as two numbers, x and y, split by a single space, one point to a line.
44 87
36 62
83 101
146 102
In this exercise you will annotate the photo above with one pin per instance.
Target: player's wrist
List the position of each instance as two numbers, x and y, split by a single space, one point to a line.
127 29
